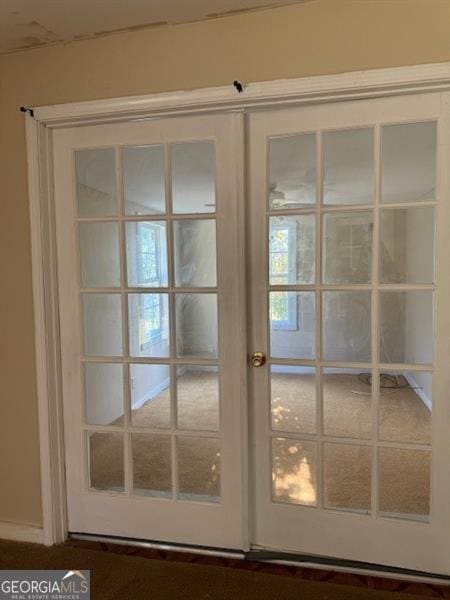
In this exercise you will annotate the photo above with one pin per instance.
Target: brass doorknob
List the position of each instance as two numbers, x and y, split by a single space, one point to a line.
258 359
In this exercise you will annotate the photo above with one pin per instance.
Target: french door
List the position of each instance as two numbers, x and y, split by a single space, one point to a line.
339 444
150 302
349 208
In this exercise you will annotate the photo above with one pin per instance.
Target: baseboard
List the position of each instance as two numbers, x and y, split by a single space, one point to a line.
418 390
152 393
21 533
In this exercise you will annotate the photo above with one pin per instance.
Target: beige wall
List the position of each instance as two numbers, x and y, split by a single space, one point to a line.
316 37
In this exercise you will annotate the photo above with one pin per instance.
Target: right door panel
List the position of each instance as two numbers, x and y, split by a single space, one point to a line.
349 208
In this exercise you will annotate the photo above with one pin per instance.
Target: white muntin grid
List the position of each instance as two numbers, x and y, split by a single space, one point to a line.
375 287
172 360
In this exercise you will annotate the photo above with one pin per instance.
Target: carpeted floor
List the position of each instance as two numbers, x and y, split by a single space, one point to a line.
119 577
347 412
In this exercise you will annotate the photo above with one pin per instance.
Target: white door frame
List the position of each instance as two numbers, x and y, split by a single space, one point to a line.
40 123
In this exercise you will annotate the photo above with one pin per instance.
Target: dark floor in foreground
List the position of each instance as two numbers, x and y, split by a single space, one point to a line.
115 576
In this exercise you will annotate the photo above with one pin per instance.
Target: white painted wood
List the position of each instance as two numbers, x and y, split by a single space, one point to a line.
242 421
126 515
286 527
322 88
19 532
46 334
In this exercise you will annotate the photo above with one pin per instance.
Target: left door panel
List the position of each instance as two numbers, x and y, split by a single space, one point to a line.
150 305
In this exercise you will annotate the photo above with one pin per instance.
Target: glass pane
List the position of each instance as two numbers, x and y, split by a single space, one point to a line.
347 403
404 483
294 477
348 167
347 247
346 326
408 162
195 253
96 182
193 177
102 324
406 328
407 245
198 398
196 318
143 180
150 395
292 171
147 254
198 469
148 316
99 255
347 475
405 407
106 461
292 250
293 398
103 389
152 465
292 324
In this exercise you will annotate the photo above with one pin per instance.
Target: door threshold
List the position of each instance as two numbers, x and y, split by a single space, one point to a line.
355 567
288 559
157 545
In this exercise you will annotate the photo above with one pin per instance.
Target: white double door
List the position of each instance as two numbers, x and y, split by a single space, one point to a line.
333 440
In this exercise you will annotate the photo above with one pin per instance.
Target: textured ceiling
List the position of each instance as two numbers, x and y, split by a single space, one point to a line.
31 23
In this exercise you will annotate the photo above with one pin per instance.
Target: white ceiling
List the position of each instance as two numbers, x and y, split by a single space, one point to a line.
31 23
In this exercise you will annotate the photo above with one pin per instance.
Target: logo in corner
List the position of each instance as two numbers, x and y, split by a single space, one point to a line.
44 584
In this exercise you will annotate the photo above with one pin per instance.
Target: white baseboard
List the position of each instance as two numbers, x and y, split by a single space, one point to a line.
157 389
418 390
21 533
151 393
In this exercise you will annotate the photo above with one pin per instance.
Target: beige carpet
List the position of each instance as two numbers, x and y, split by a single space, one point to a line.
198 458
347 408
347 412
